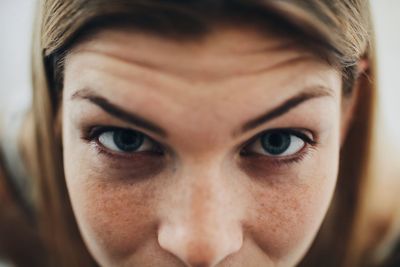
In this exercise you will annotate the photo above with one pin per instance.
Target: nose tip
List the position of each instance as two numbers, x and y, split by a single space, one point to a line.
197 247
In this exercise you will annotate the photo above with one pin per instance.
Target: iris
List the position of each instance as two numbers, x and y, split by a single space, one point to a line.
128 141
275 143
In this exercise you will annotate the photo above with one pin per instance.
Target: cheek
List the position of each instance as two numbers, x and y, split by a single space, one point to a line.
285 217
115 218
114 213
286 222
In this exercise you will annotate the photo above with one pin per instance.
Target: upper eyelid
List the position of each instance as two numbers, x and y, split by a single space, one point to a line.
103 129
297 132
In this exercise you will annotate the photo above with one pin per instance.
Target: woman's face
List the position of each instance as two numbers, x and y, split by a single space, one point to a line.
219 152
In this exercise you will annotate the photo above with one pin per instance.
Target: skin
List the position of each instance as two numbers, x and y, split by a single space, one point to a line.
201 202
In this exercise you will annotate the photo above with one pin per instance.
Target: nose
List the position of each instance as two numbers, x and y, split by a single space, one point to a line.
201 225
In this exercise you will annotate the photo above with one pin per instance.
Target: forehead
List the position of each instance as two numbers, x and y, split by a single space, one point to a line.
225 56
225 51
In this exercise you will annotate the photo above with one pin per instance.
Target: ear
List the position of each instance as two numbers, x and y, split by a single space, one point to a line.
349 103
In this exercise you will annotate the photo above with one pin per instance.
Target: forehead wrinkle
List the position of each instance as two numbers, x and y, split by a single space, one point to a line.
205 74
103 75
212 57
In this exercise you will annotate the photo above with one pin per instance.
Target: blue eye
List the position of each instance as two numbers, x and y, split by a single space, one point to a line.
278 143
125 141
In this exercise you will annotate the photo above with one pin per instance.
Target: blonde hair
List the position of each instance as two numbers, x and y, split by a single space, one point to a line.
340 32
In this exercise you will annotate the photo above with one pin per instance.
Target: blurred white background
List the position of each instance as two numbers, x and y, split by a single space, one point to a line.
16 18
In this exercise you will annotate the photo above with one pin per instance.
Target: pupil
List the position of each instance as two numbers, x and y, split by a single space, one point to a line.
128 141
275 143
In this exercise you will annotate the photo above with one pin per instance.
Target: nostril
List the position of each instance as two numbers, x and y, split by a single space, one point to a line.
198 248
201 254
200 264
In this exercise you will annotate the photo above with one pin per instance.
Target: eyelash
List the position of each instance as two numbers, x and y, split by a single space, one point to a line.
310 144
92 134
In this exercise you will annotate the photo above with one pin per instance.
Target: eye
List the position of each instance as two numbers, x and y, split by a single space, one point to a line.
279 143
125 141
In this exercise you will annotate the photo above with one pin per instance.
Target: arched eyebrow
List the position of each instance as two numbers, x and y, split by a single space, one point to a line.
138 121
305 95
118 112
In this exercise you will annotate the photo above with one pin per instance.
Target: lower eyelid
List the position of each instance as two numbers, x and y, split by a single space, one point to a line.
132 168
261 167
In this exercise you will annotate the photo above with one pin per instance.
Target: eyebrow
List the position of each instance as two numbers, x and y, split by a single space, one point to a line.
137 120
285 107
118 112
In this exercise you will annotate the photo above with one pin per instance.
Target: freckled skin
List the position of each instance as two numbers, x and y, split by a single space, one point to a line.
202 203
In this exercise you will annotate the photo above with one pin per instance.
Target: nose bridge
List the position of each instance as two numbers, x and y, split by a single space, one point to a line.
202 228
